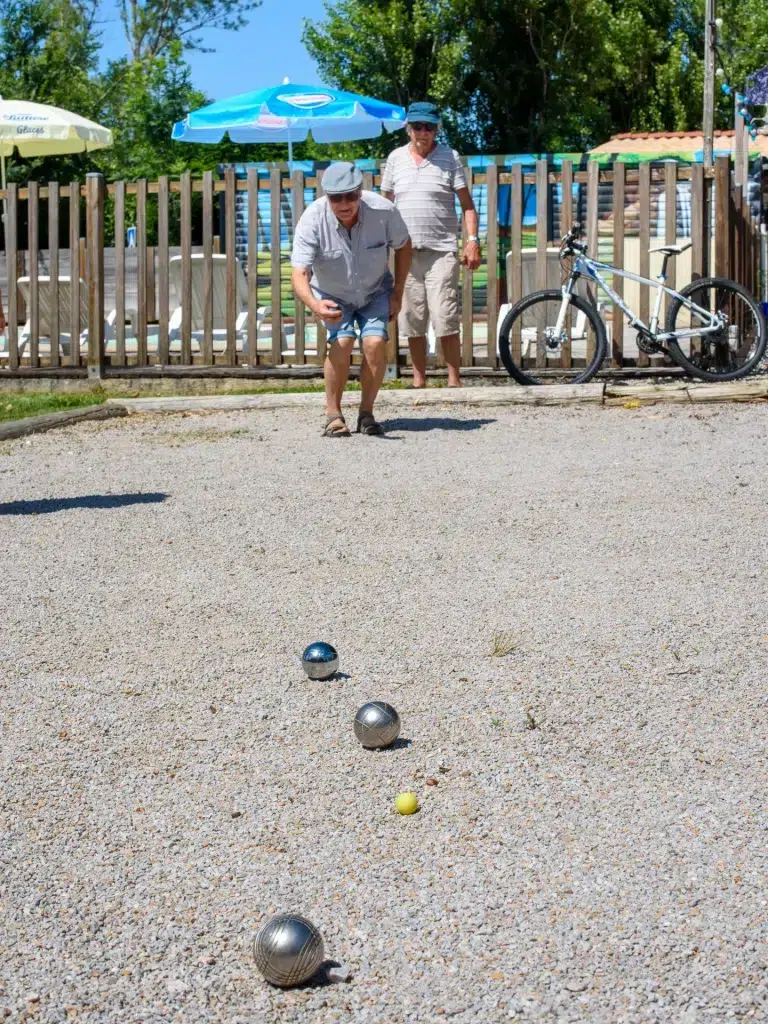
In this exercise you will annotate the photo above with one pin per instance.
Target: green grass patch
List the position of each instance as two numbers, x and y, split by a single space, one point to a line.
19 407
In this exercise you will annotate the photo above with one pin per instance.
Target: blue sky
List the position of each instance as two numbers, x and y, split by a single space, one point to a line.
262 54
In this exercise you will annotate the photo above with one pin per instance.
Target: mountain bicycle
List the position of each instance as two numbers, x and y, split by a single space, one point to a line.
715 330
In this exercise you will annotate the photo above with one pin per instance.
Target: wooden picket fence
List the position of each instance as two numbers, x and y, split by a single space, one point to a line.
180 305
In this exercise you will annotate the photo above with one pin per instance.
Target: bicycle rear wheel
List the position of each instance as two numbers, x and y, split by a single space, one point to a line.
533 355
735 350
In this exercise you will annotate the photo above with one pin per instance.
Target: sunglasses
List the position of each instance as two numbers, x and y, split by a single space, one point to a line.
420 126
344 197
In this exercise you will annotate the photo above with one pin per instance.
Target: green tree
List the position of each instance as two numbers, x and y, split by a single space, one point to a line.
395 50
152 26
523 75
49 52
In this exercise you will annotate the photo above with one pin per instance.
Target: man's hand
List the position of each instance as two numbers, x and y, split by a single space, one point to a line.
395 304
471 256
327 310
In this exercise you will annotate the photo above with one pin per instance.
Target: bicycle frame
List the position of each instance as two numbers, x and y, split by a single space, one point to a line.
586 266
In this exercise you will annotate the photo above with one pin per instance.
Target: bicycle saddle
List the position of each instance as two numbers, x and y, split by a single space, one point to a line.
671 250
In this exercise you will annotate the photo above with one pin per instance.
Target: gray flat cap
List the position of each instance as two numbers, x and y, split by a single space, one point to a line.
342 177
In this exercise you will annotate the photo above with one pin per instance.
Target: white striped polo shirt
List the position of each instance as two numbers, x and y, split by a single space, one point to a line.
425 195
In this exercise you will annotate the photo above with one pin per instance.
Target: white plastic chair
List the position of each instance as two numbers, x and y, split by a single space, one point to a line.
45 285
219 295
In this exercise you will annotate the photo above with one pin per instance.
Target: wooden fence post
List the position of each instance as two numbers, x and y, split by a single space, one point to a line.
186 267
275 187
141 271
119 359
33 236
566 223
11 253
163 272
492 260
542 224
515 282
644 190
76 264
95 239
209 248
53 262
231 290
722 216
698 227
617 317
593 233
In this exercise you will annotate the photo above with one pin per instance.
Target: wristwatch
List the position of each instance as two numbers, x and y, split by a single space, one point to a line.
472 238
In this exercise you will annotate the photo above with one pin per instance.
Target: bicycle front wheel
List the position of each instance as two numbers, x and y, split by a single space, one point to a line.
732 352
534 353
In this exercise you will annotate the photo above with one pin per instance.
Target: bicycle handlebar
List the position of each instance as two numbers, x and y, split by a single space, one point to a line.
569 245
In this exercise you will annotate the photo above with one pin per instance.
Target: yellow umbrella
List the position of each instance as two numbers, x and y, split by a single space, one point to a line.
35 129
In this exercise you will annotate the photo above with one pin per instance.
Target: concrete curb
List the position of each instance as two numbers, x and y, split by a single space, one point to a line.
52 420
628 396
552 394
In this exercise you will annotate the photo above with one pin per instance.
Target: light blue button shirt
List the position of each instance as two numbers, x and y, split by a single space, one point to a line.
349 266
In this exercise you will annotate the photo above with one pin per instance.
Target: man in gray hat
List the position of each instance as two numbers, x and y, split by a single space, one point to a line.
341 272
424 178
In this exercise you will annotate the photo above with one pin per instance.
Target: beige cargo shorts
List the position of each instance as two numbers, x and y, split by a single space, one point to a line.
431 294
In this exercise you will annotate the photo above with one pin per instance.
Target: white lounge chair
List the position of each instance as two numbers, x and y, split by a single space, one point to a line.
219 294
45 286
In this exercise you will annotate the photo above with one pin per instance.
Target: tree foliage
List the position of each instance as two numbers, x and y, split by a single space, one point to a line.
49 51
511 75
535 75
152 26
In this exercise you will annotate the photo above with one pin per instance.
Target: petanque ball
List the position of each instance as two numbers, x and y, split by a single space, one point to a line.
407 803
288 949
377 724
320 661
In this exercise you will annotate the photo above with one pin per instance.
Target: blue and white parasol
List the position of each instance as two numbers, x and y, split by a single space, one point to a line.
288 113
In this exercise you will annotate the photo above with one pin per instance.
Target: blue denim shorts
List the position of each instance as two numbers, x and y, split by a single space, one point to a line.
370 321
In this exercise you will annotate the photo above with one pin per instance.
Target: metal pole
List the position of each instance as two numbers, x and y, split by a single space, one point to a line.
710 36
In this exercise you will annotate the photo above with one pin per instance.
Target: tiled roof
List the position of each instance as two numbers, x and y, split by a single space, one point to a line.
673 143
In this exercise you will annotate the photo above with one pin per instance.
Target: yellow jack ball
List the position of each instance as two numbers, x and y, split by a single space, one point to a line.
407 803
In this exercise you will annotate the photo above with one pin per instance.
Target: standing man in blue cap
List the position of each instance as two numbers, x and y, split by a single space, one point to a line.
424 179
341 272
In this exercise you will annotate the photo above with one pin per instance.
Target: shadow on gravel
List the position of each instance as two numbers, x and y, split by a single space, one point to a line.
434 423
401 743
42 506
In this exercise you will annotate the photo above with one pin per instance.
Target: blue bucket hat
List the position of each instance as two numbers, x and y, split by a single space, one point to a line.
342 177
426 112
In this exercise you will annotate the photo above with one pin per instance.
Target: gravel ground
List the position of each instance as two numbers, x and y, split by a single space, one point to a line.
567 607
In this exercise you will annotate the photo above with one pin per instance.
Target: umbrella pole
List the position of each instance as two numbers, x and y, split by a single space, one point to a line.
290 157
2 174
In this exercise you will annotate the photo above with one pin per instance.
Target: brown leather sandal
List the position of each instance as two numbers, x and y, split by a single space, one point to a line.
336 426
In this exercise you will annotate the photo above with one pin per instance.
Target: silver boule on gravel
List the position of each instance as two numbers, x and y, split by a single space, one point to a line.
320 661
377 725
288 949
